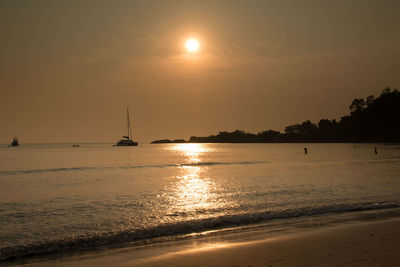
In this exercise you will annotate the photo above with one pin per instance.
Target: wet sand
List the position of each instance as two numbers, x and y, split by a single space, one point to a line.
357 244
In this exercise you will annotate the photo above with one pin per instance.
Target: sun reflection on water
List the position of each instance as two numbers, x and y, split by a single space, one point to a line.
193 192
191 152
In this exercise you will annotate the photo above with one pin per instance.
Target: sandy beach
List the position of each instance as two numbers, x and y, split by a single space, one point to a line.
354 244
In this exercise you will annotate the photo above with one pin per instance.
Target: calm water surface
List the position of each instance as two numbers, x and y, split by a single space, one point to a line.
54 197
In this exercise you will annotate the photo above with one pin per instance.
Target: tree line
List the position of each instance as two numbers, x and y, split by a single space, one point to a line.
370 120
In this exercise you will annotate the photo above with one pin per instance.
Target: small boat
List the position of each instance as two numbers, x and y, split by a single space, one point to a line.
15 142
127 141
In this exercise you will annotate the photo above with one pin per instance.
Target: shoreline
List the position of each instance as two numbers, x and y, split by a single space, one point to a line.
361 244
372 243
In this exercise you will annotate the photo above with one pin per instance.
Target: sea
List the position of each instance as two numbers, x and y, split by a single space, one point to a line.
57 200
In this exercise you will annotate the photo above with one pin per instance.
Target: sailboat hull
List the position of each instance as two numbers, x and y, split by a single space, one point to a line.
127 143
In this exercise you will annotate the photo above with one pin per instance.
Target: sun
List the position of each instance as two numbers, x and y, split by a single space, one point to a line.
192 45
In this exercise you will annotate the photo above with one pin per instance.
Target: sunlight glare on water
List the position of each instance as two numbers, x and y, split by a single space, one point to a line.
193 191
191 152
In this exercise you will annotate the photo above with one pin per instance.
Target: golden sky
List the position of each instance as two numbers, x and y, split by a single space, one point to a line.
68 69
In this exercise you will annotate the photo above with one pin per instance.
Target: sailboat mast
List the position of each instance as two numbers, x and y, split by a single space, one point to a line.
128 122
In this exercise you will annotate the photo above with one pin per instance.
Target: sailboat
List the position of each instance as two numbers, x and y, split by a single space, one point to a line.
15 141
127 141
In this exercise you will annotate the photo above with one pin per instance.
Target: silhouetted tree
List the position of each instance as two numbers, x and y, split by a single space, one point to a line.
308 128
268 136
357 104
370 100
293 129
386 91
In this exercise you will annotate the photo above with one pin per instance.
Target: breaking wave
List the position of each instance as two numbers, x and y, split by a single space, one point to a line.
92 242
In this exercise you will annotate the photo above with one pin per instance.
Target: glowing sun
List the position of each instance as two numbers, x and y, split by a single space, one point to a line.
192 45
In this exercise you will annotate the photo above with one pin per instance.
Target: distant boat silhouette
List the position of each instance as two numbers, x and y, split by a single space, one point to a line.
15 142
127 141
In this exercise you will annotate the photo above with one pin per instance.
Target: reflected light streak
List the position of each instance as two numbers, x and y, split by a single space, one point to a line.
218 245
193 191
191 152
191 148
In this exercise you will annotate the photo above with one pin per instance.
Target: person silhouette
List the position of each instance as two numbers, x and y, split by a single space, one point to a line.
305 151
376 151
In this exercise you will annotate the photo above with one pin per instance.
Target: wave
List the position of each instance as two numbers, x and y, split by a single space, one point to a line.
91 242
16 172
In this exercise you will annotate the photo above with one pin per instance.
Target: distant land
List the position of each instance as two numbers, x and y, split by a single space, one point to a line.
370 120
